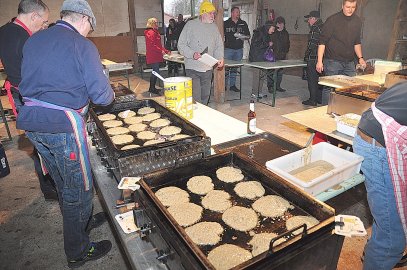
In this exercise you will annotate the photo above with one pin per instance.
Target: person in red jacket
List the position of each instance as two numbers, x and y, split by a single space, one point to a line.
154 51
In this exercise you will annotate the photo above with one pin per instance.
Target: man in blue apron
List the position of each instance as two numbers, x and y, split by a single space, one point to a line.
62 73
32 17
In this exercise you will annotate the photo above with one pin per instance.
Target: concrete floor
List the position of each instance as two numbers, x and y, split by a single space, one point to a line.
31 229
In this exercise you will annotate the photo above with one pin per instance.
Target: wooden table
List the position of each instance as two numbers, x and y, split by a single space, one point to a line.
318 120
267 70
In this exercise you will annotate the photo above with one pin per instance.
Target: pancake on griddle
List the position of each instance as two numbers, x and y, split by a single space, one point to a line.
145 110
217 200
117 131
205 233
200 184
172 195
137 127
106 117
170 130
112 123
122 139
186 214
161 122
228 256
151 142
146 135
130 146
249 190
229 174
126 114
133 120
271 206
240 218
151 117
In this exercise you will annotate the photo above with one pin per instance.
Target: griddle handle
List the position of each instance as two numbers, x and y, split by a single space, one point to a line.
287 233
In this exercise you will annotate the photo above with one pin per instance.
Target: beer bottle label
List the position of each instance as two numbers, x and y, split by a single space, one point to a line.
252 125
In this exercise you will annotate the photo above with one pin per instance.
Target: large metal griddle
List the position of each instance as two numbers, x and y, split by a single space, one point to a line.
137 161
192 256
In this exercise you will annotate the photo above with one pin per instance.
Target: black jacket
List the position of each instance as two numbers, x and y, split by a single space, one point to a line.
281 44
311 53
259 44
171 34
230 28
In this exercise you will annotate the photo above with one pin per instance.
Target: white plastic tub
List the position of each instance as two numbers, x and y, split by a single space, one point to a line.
344 125
347 164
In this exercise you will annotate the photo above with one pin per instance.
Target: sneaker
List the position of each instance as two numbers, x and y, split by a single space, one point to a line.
281 90
309 103
96 221
96 251
234 88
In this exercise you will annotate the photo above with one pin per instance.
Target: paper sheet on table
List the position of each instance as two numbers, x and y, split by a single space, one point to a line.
126 222
208 60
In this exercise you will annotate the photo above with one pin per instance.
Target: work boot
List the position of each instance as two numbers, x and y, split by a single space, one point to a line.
96 251
281 89
309 103
234 88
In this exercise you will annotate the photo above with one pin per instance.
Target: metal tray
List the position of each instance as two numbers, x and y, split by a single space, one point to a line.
137 161
303 203
260 147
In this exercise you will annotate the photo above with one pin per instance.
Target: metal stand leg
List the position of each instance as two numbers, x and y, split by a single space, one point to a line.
128 80
3 116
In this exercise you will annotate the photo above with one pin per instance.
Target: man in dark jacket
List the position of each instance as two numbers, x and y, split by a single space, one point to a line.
281 45
32 17
311 56
258 46
339 43
236 31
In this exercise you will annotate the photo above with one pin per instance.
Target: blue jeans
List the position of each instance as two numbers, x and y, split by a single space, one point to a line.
334 67
76 204
232 54
387 242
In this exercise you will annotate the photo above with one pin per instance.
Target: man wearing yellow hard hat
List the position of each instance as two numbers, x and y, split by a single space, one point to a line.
201 36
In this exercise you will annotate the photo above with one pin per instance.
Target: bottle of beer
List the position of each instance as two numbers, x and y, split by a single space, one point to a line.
251 119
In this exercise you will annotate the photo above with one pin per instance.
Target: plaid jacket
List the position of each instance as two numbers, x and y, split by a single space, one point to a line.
311 53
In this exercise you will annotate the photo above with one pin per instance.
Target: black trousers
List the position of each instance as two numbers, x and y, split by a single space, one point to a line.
313 77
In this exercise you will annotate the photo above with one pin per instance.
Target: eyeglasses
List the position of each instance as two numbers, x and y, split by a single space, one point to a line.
44 23
91 26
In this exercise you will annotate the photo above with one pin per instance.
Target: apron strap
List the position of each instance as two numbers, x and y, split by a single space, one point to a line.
79 130
8 86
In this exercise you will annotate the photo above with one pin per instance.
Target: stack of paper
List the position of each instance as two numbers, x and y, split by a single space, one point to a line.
208 60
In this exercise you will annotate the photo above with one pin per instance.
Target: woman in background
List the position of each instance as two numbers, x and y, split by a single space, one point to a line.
172 35
154 51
